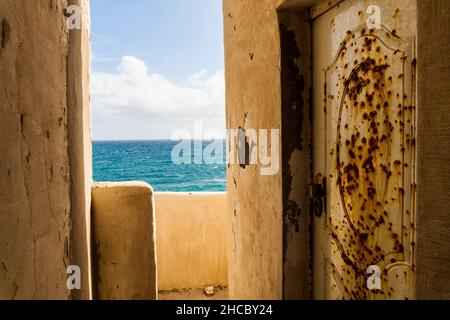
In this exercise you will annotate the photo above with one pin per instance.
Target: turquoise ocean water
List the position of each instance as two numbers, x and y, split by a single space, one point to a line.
151 161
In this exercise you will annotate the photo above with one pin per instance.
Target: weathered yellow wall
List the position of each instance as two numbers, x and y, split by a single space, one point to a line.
34 169
80 147
269 218
253 97
124 252
192 234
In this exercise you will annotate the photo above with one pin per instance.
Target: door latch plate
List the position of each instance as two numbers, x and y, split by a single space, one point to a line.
317 198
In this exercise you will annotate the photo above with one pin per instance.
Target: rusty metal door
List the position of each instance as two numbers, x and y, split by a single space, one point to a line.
363 149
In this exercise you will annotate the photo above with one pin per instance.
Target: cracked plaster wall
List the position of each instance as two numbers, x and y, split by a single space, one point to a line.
34 161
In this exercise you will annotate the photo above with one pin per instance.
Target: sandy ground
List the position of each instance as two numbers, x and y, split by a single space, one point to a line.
193 294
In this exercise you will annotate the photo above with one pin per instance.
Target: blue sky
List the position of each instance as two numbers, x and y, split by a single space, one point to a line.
157 66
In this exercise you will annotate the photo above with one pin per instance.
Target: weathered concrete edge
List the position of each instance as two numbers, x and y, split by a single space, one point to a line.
99 191
80 149
194 193
128 184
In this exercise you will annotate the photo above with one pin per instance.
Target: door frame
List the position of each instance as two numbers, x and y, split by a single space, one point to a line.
432 41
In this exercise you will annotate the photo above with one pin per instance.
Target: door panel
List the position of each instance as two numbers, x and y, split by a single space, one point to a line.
363 139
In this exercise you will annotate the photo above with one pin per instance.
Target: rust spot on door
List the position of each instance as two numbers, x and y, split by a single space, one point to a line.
363 147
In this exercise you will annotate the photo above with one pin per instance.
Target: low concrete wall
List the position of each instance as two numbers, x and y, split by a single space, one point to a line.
123 241
192 240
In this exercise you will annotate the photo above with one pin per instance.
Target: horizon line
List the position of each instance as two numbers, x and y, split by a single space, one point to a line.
143 140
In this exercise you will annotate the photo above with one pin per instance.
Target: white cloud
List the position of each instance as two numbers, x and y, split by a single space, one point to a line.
196 78
134 92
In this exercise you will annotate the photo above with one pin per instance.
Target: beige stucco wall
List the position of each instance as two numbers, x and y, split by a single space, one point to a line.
253 101
123 235
269 238
192 235
34 182
80 147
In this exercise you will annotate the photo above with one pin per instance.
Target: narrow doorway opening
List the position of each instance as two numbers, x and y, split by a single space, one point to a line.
158 116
